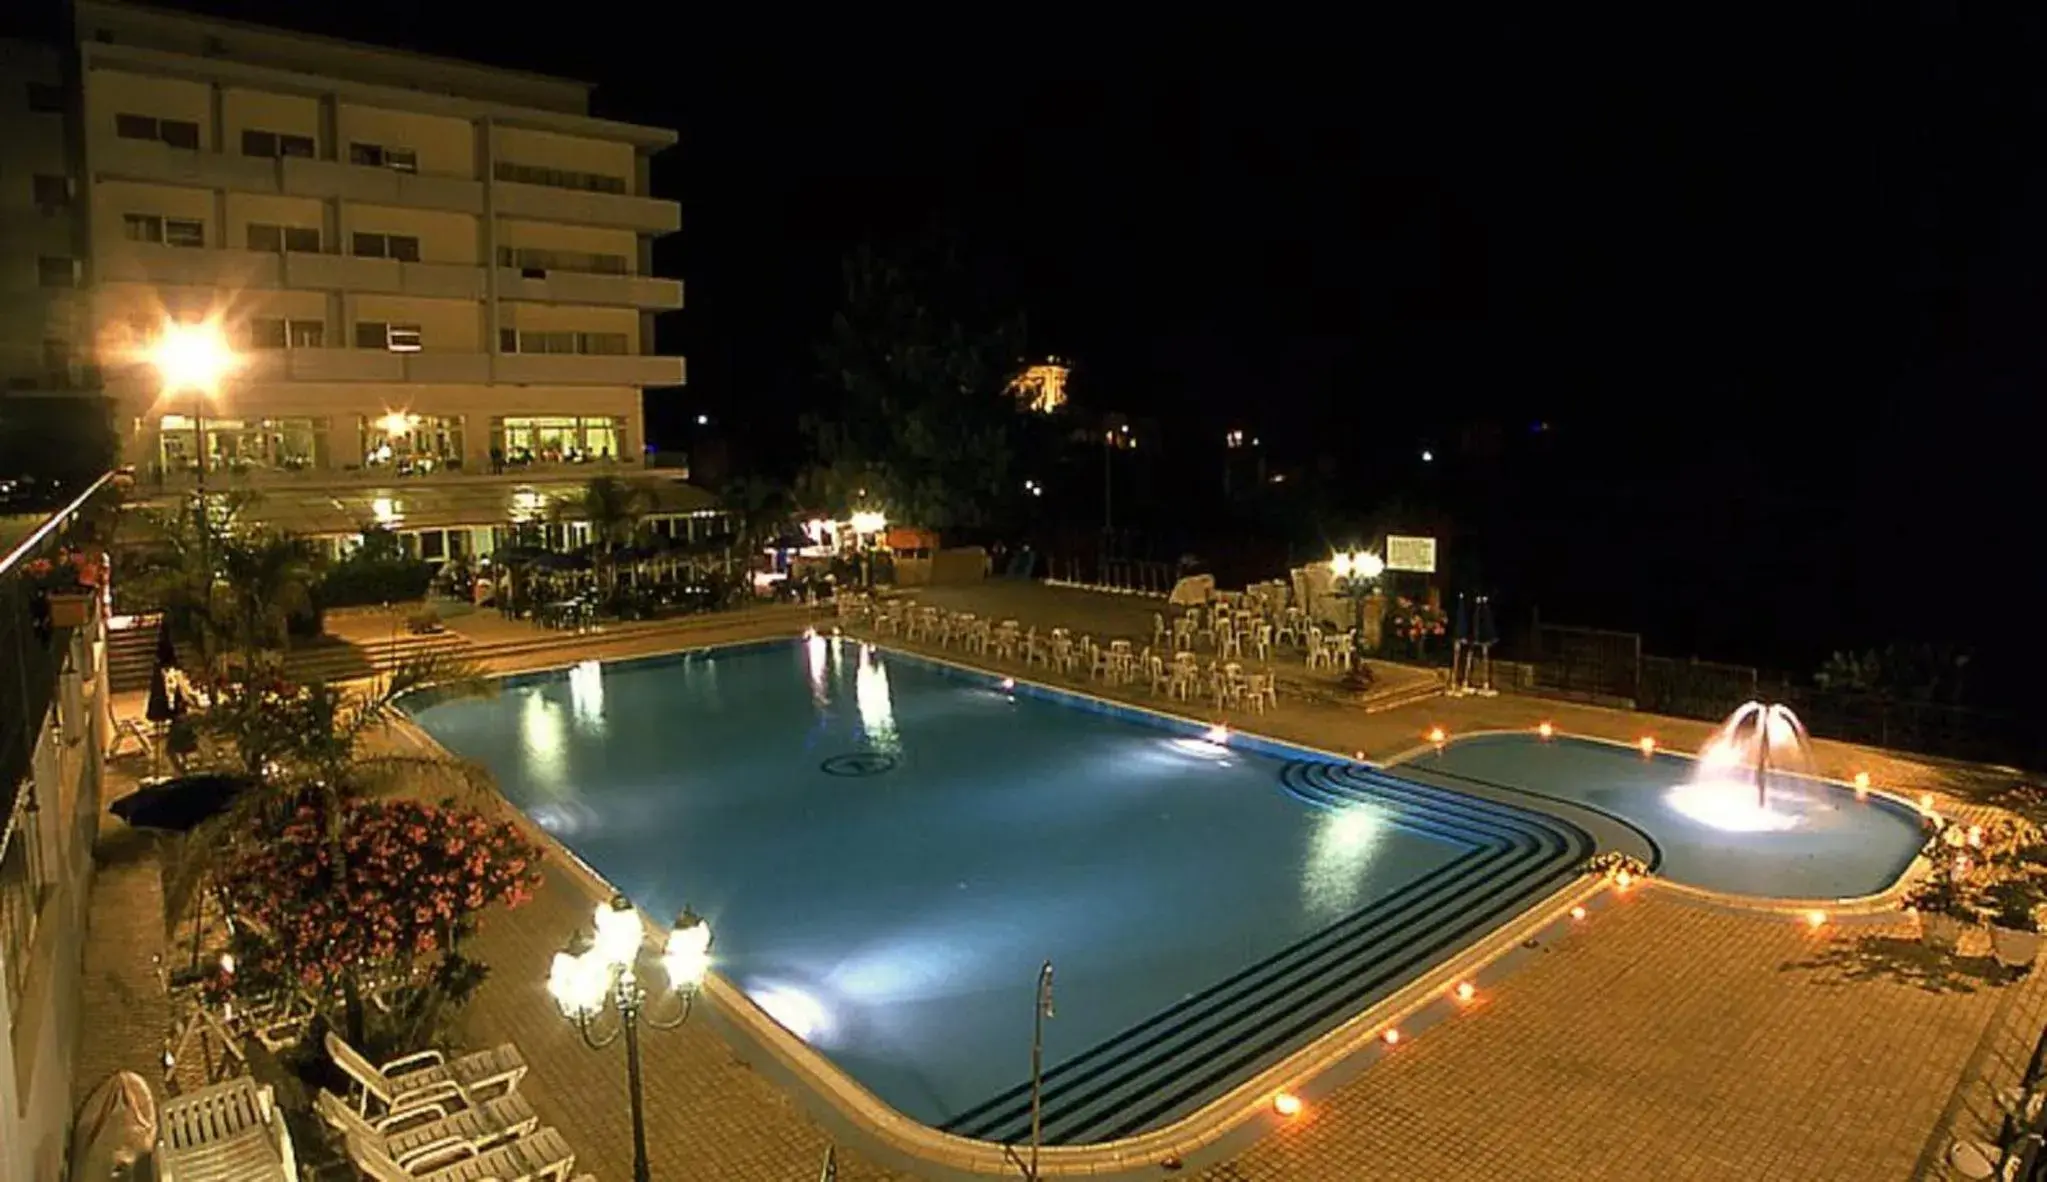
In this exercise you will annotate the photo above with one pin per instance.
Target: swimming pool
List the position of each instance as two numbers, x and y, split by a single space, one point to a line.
888 848
1820 841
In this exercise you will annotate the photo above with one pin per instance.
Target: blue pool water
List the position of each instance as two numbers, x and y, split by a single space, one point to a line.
1827 844
887 850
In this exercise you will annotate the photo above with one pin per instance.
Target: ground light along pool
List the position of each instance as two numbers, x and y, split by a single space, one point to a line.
889 849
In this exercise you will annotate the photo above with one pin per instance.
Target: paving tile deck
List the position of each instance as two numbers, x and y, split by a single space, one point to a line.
1663 1039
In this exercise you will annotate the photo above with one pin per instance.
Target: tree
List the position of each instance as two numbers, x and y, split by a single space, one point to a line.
229 591
923 428
615 511
305 748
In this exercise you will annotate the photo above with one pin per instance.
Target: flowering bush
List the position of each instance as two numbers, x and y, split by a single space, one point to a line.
68 570
1414 622
415 877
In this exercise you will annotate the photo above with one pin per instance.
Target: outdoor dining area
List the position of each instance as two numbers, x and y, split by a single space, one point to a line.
1223 652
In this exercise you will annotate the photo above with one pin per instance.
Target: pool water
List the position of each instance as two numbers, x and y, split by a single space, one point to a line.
1822 841
888 849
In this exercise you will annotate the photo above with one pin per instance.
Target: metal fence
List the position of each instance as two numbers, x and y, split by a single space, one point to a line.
1590 663
1586 662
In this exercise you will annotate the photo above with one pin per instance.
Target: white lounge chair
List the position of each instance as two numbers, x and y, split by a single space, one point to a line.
227 1131
542 1157
426 1129
427 1076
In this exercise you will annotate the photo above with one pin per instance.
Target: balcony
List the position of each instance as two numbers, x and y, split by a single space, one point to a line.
582 369
150 160
185 266
544 203
580 287
335 272
380 186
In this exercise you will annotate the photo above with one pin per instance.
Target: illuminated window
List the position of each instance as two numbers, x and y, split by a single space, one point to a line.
411 444
242 445
560 439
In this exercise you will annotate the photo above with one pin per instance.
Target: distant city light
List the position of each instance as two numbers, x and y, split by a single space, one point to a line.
703 420
1428 457
1041 388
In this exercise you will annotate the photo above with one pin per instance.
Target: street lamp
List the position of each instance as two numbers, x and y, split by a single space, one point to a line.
608 967
196 358
1355 573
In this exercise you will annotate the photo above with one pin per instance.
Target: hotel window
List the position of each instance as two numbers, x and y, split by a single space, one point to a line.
148 227
275 239
276 333
558 178
600 343
385 246
240 445
379 156
559 439
52 193
178 133
533 258
276 143
398 338
411 444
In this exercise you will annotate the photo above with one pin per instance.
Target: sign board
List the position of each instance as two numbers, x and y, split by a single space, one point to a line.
1415 554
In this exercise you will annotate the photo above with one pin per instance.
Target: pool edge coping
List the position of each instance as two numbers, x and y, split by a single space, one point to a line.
1228 1123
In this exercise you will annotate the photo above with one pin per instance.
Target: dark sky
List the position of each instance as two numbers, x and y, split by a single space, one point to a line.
1778 284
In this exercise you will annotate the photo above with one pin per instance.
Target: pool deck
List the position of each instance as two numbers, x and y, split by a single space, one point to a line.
1664 1037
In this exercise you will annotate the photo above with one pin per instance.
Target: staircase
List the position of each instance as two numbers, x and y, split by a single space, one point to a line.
131 655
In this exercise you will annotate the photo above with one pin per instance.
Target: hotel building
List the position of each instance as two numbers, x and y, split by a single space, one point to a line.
435 273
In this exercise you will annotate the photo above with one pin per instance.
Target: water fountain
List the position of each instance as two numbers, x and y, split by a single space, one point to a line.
1730 788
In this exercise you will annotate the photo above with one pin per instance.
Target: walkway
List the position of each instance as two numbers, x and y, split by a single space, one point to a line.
1665 1039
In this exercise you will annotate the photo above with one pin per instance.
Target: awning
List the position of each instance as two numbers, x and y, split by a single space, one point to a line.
442 502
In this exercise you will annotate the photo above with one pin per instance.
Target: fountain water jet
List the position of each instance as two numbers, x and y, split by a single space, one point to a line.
1754 741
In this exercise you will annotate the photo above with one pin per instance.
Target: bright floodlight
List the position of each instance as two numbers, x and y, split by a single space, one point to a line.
192 357
869 522
1339 565
687 956
619 933
578 983
1367 565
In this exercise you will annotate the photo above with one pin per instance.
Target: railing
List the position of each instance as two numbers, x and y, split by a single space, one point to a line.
1602 665
31 657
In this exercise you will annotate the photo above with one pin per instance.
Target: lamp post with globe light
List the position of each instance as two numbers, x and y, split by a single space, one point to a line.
195 358
607 968
1357 575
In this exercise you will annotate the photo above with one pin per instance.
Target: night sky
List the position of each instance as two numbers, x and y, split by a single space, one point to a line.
1776 288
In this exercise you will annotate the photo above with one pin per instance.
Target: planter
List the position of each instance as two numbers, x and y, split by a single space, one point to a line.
1940 931
2014 947
70 609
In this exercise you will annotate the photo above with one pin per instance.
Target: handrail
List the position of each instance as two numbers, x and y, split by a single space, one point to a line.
36 536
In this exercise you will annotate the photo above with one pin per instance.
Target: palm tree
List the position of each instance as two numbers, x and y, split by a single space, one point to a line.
614 509
268 577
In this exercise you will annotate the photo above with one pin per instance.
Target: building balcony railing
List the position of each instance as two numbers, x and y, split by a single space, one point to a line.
583 369
380 186
338 272
545 203
583 287
189 266
149 160
240 270
430 367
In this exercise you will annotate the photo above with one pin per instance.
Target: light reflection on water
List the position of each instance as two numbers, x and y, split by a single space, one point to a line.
586 695
877 707
1334 879
544 738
